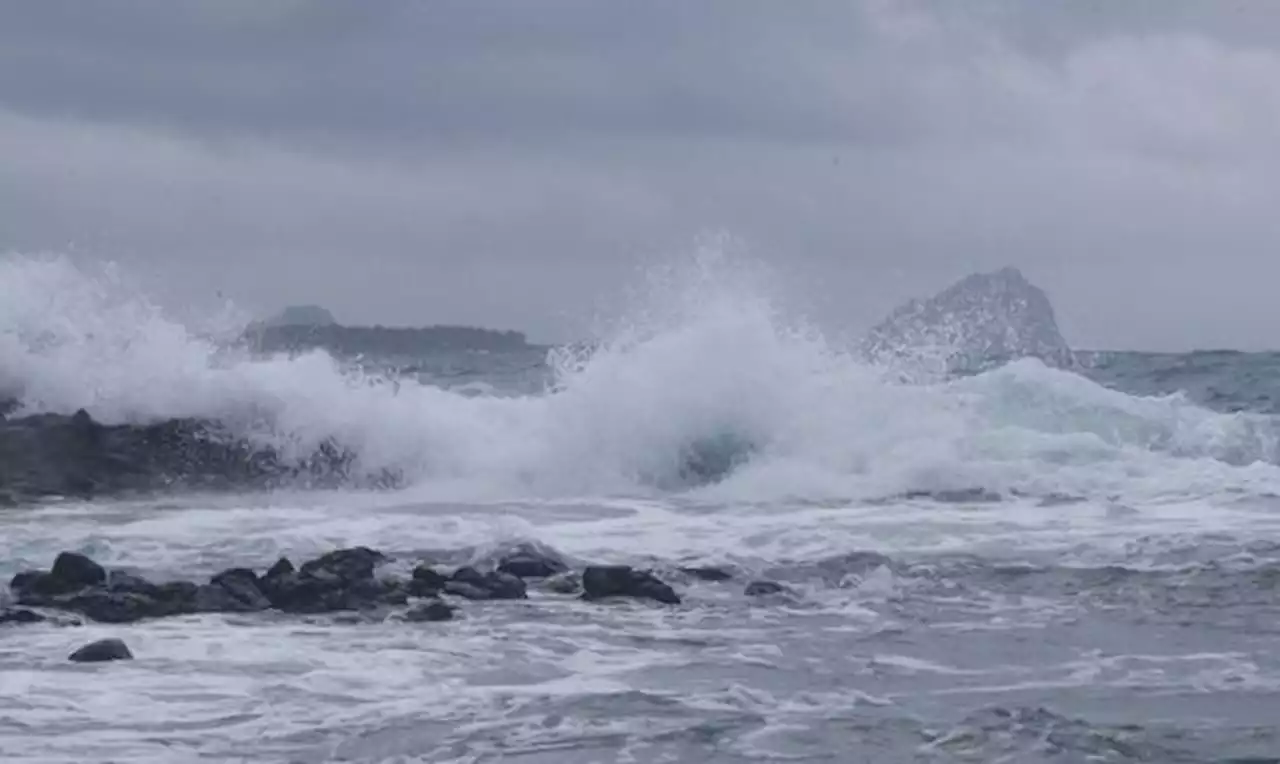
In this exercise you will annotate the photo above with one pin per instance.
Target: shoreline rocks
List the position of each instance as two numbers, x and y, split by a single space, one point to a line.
56 455
343 580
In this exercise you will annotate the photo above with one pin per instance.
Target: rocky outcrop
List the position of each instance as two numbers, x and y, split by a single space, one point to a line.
608 581
343 580
75 456
983 320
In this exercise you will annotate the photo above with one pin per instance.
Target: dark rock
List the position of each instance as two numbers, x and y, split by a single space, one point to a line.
282 567
472 584
529 563
764 589
337 581
57 455
75 571
20 615
427 581
120 581
231 591
101 651
435 610
708 573
602 581
565 583
345 564
112 607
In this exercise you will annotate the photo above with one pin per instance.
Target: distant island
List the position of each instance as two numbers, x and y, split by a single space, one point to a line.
308 327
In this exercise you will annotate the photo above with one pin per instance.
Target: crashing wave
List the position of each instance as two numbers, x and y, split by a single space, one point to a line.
710 391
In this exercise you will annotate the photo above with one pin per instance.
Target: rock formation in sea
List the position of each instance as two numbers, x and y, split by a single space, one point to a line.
983 320
46 455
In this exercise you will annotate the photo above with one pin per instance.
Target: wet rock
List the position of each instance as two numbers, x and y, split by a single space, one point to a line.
565 583
336 581
530 563
231 591
20 615
427 581
764 589
603 581
471 584
101 651
107 606
77 571
708 573
71 572
434 610
120 581
346 564
46 455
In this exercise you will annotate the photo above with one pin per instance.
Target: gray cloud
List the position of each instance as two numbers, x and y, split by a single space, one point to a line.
508 163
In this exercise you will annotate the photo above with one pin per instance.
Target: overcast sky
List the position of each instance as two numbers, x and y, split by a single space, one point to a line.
513 164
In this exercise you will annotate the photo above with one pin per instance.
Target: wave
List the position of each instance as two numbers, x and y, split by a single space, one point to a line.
702 386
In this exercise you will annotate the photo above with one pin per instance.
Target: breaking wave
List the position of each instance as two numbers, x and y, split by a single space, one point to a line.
704 385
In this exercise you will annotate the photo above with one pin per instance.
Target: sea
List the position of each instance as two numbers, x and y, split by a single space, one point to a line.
1024 564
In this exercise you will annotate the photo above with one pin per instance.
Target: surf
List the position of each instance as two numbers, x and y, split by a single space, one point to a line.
702 386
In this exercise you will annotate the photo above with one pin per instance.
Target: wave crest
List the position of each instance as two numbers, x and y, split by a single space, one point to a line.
704 384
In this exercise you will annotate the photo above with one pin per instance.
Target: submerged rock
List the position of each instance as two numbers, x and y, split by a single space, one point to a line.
983 320
435 610
708 573
20 615
531 563
101 651
604 581
764 589
473 585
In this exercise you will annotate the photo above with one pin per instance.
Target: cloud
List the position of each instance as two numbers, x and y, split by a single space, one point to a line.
505 163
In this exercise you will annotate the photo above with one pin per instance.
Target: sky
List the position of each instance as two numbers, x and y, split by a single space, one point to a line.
519 164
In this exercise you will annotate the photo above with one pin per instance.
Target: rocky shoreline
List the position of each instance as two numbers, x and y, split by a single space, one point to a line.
56 455
343 580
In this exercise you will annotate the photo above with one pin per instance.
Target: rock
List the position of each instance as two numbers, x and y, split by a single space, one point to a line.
75 571
983 320
565 583
346 564
232 591
529 563
336 581
471 584
107 606
427 582
602 581
45 455
708 573
764 589
20 615
434 610
101 651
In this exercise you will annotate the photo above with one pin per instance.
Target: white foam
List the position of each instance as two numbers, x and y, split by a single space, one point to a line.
703 354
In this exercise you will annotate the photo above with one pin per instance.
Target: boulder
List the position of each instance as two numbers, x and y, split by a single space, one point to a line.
433 610
101 651
605 581
530 563
19 615
471 584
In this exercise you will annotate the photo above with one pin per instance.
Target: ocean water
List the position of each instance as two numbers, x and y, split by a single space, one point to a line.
1023 565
